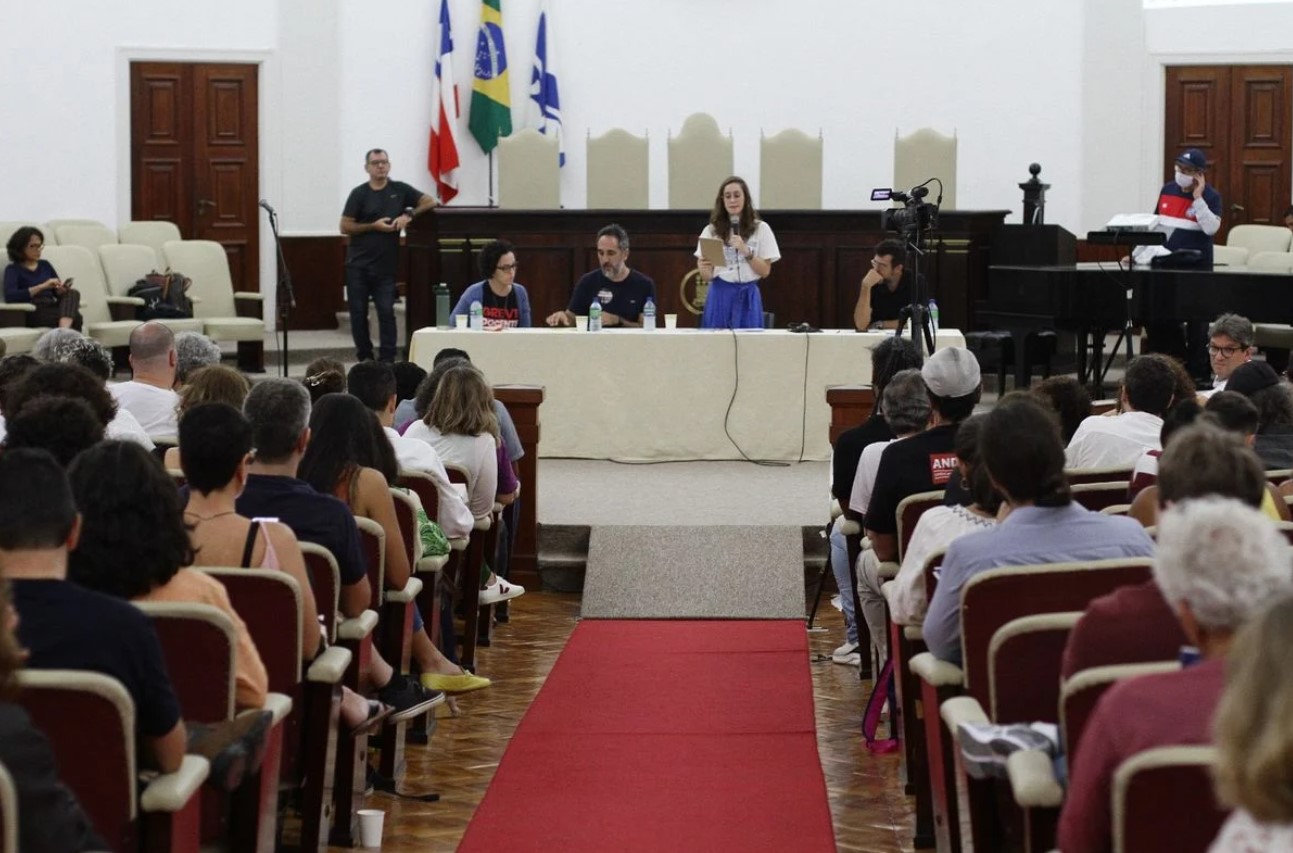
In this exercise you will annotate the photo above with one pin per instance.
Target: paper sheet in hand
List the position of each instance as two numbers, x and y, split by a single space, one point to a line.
711 249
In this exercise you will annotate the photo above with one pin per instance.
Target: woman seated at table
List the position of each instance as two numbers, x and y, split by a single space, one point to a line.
504 304
750 249
28 279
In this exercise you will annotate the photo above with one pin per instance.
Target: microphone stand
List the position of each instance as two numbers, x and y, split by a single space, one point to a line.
285 297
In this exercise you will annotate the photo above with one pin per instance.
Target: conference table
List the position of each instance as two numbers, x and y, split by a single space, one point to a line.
674 395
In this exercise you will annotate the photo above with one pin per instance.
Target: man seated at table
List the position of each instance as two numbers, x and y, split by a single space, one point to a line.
886 289
621 291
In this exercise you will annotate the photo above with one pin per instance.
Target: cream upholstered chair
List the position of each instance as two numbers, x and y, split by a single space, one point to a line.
1276 262
123 266
55 224
155 233
618 171
529 171
108 319
1271 335
922 155
225 315
7 229
699 158
790 171
1233 258
89 236
1260 238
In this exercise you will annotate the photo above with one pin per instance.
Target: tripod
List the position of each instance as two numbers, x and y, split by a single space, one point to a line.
917 312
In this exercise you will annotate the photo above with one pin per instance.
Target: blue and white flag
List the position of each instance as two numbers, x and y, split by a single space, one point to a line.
543 88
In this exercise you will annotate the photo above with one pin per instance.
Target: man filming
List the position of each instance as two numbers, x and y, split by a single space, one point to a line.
886 289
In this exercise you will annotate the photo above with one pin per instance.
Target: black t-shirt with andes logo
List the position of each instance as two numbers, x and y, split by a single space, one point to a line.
921 463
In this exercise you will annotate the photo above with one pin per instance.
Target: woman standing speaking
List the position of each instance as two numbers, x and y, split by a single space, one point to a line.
749 248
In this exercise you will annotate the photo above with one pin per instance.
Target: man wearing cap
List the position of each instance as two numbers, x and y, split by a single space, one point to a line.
923 462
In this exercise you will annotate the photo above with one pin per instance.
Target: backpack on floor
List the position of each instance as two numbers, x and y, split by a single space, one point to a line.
165 296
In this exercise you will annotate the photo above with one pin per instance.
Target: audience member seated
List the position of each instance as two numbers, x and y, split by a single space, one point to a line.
54 344
150 395
279 412
324 375
91 355
1020 447
1273 398
348 457
1134 623
70 380
1068 398
1145 471
373 383
134 542
29 279
193 351
1230 344
906 410
214 384
888 358
12 369
65 626
408 376
1253 774
460 424
61 425
1218 562
924 462
1148 389
51 820
940 526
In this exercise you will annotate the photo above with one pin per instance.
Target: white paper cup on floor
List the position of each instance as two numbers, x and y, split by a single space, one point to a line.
581 322
460 321
671 321
370 828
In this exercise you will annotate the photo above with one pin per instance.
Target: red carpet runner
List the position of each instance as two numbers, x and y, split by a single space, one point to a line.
667 735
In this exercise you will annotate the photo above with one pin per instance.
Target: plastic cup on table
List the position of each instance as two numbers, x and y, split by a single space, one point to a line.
581 322
671 321
370 828
460 321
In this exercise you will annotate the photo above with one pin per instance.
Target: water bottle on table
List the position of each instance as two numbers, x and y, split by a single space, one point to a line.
648 314
595 316
477 316
933 317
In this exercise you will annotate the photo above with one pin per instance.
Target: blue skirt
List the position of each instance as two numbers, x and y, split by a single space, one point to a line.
733 306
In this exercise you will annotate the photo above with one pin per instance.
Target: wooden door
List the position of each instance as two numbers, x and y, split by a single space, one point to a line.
1239 115
194 155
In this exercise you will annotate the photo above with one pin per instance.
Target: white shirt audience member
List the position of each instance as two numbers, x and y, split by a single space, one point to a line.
475 454
153 407
1113 442
453 516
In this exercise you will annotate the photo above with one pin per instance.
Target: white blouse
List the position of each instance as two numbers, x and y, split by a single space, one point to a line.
763 243
475 454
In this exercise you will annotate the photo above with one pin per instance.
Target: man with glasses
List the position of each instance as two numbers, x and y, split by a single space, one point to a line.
878 306
1230 344
375 214
622 292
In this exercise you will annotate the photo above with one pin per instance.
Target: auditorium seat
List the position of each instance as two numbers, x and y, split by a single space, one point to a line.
1163 800
431 568
226 315
1233 257
89 236
89 719
482 544
1276 262
124 266
1259 238
108 319
55 224
18 338
1097 496
153 233
8 813
7 229
1077 476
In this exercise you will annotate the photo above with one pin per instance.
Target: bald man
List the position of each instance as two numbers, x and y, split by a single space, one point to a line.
150 395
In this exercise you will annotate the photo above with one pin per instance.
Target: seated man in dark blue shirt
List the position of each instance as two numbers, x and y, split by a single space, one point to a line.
64 626
279 411
622 292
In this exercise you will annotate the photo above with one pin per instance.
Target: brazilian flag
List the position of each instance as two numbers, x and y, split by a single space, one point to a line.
491 100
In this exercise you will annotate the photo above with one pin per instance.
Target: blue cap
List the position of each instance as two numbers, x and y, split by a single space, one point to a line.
1194 158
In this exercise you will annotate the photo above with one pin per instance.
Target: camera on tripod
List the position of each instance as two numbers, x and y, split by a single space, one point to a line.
915 217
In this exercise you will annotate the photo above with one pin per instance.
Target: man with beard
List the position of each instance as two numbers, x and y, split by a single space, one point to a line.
621 291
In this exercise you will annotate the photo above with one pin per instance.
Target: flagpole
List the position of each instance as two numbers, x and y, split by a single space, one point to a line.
492 202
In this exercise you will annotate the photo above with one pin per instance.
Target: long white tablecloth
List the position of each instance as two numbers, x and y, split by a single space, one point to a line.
656 396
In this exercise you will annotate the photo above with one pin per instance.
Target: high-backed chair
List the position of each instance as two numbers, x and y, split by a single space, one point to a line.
155 233
790 171
269 602
55 224
8 813
8 228
925 154
1163 800
1234 258
89 236
89 719
699 157
1260 238
109 319
124 266
529 171
225 315
618 171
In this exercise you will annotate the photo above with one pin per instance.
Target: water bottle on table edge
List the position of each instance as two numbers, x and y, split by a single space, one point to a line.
933 317
648 314
595 316
477 316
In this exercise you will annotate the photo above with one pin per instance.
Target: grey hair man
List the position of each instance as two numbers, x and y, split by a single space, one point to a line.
54 344
150 394
192 351
621 292
1231 339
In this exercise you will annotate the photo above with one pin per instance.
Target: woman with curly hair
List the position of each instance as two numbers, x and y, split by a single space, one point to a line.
134 542
32 280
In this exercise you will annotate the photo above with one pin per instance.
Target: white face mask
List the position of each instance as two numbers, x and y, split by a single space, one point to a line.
1183 180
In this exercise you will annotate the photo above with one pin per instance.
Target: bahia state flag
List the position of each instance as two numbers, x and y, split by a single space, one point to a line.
491 102
442 153
543 87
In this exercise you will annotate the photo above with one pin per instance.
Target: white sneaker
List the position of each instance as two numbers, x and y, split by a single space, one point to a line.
848 655
500 590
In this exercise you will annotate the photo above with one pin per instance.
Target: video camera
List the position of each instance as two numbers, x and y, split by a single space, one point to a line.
915 217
